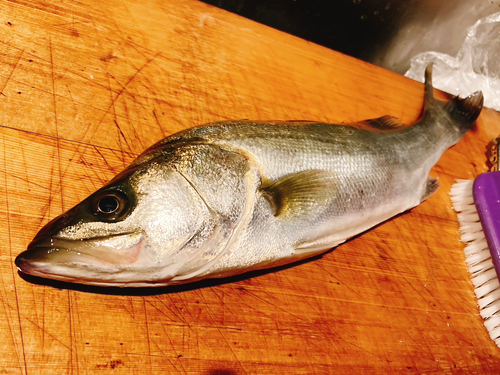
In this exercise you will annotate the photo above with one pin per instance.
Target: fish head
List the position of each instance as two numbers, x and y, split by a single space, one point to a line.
135 231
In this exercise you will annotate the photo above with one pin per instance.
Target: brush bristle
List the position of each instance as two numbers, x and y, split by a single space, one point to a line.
478 257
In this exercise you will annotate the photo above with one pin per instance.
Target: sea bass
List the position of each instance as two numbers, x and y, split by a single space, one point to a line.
234 196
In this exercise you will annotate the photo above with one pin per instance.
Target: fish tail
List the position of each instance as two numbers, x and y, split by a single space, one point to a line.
463 112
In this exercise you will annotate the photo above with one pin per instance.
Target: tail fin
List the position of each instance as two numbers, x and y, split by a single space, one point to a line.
462 111
467 109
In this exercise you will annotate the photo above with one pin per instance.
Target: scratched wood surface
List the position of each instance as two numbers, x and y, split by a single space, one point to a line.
86 86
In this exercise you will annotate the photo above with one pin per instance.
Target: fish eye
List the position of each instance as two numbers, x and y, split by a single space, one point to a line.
108 204
111 205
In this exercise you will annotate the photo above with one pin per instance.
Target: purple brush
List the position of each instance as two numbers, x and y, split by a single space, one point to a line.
478 209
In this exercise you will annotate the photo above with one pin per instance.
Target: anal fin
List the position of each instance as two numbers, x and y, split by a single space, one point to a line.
431 187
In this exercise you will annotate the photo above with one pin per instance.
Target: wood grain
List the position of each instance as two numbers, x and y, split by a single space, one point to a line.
86 86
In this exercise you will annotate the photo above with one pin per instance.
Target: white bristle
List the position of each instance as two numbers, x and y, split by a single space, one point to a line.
470 237
476 263
492 322
489 310
469 217
494 333
476 246
489 299
478 257
471 227
485 283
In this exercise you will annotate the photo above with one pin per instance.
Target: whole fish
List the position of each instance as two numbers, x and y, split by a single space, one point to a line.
235 196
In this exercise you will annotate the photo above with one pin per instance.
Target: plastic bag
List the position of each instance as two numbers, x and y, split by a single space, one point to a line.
476 66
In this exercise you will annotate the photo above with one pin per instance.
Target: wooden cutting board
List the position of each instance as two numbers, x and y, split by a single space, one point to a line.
86 86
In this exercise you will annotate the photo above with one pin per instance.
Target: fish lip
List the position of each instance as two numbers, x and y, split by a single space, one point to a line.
28 266
37 260
96 238
55 243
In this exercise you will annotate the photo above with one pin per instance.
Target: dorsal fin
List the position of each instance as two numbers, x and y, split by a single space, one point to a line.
384 123
429 89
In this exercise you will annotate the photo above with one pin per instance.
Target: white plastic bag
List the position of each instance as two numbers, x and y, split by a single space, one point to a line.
476 67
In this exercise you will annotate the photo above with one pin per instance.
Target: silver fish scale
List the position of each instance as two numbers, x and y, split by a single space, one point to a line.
368 176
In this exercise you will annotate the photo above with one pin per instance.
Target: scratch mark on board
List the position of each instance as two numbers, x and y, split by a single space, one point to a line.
110 167
9 323
72 342
225 340
147 334
167 333
111 107
11 73
9 231
267 301
23 179
48 205
58 149
145 328
42 328
133 128
176 313
159 124
59 161
122 135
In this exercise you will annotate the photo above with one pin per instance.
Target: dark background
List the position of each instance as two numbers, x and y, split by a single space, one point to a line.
357 28
387 33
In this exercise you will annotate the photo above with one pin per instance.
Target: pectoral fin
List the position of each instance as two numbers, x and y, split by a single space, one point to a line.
302 193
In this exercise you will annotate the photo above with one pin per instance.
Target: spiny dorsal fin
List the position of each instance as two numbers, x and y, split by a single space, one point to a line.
429 89
300 193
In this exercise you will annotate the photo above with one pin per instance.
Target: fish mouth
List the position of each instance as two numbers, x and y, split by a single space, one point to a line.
99 260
